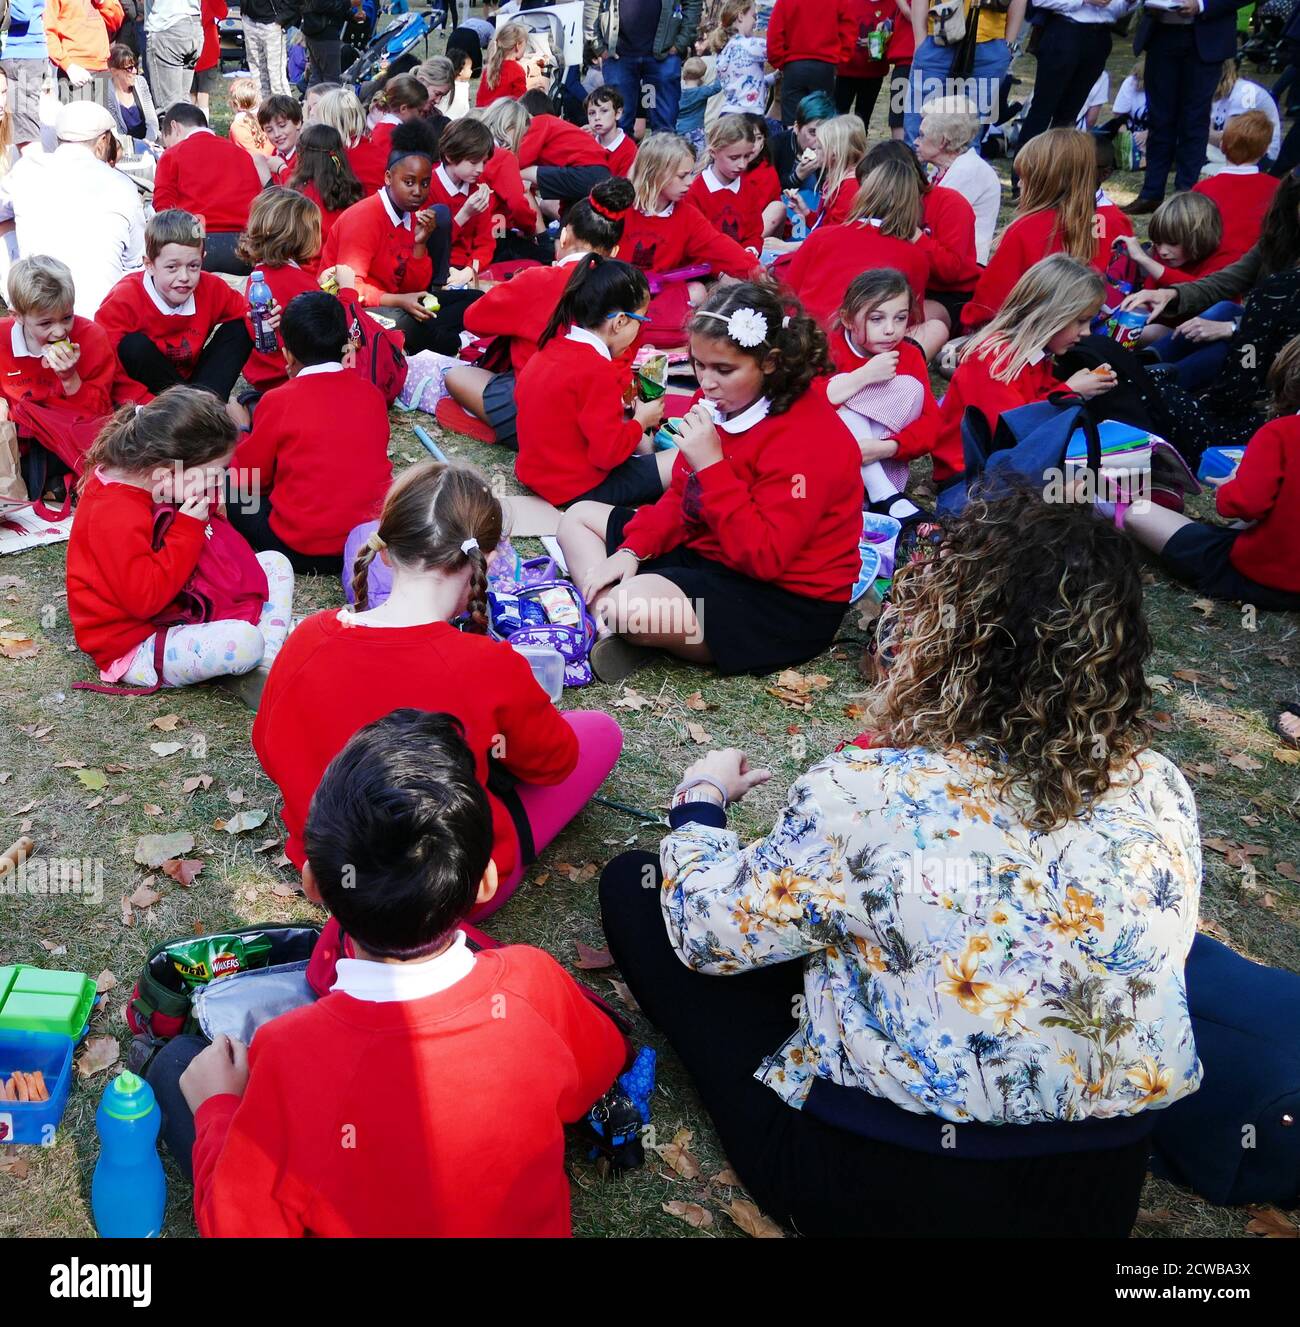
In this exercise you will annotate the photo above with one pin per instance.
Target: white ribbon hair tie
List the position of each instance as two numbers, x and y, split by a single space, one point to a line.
469 545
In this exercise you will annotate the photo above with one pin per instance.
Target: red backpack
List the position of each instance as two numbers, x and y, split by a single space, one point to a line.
378 351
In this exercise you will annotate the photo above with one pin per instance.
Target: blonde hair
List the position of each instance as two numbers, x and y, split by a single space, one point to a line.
243 93
1190 220
729 129
508 38
890 194
694 69
953 122
1058 173
1228 77
283 227
843 144
344 114
732 12
506 119
1139 71
658 159
1049 296
40 284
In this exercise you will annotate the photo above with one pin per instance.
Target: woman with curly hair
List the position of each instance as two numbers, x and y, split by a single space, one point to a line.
945 994
749 558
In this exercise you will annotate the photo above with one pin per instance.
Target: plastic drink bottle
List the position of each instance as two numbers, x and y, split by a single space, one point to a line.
129 1190
259 306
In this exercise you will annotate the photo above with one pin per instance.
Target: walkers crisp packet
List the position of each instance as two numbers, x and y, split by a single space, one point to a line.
212 956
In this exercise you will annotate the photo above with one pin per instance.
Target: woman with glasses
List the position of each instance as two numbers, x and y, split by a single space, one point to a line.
129 101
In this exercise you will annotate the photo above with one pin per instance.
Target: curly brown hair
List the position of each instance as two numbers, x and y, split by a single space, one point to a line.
1022 637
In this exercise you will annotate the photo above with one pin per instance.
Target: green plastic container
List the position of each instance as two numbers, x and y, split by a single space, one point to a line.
36 1000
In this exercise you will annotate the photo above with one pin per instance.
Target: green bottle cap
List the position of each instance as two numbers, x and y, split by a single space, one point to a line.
128 1097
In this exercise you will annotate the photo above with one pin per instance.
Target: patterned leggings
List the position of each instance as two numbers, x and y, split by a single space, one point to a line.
222 649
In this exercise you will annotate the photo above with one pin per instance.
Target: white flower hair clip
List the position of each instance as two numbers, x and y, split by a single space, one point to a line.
746 327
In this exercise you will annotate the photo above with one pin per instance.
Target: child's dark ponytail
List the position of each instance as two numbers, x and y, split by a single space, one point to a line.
598 287
436 517
597 221
797 341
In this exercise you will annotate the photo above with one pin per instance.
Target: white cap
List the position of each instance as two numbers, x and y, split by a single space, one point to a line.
82 122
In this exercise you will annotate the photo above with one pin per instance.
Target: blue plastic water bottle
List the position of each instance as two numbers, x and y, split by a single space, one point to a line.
129 1190
259 305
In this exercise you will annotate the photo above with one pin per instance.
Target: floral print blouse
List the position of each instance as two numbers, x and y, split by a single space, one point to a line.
740 70
956 962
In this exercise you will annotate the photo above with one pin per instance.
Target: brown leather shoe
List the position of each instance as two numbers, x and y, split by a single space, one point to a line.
1143 206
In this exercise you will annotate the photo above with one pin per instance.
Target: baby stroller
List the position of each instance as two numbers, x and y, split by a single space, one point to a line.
230 31
393 51
1266 46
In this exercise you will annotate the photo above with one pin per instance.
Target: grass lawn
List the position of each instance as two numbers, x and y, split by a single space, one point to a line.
1216 675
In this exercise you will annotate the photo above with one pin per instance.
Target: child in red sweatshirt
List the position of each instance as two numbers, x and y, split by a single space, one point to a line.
1186 235
280 119
575 438
515 313
209 176
439 526
317 456
719 191
455 1113
147 519
1258 564
175 323
560 160
1011 361
604 107
456 184
758 533
664 233
1241 191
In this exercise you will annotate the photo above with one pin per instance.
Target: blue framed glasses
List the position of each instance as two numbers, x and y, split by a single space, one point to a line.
636 317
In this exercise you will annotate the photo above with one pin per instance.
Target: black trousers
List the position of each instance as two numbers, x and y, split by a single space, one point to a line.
816 1178
254 523
219 253
798 79
568 184
326 56
164 1074
859 95
1180 91
442 331
1071 57
217 369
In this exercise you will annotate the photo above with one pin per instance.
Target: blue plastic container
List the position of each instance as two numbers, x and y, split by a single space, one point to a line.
1219 462
129 1191
51 1053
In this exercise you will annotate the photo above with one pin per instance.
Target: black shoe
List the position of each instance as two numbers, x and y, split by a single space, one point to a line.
1143 206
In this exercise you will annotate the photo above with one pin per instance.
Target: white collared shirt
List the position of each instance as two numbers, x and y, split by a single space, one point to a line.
614 143
19 343
714 185
667 211
452 186
393 983
330 366
72 206
1230 169
754 414
586 338
404 219
1079 12
571 258
185 310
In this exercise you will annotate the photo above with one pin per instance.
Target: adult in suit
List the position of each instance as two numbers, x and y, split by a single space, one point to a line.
1185 47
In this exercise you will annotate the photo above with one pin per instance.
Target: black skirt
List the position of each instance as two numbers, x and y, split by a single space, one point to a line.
749 626
500 409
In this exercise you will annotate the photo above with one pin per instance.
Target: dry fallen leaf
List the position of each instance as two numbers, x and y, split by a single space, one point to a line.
1193 675
752 1221
182 870
1161 721
1286 755
726 1177
1202 767
1241 760
1205 606
692 1213
631 700
105 982
697 734
52 949
195 782
154 849
98 1054
1272 1224
282 890
592 960
90 806
120 800
166 748
678 1155
1159 1216
1287 870
165 723
235 796
36 730
152 809
795 688
244 821
19 649
624 994
128 913
696 702
144 897
13 1164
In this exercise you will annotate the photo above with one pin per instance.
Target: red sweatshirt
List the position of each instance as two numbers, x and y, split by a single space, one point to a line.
306 718
1177 276
457 1112
381 140
473 243
920 436
319 449
806 30
511 82
620 157
550 141
26 376
1023 243
213 11
520 309
209 176
501 175
734 210
866 16
824 265
380 252
683 238
1266 490
571 426
327 217
972 385
783 505
77 31
180 336
117 584
765 182
950 219
369 164
835 210
267 369
1243 197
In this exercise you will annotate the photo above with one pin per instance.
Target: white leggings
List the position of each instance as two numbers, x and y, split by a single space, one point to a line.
222 649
